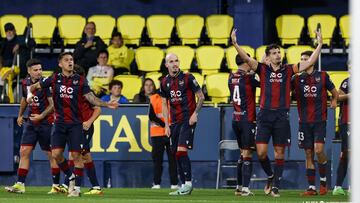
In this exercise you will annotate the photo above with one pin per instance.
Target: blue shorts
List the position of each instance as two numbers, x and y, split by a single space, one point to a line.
275 124
182 134
88 134
311 133
70 134
245 134
344 133
37 133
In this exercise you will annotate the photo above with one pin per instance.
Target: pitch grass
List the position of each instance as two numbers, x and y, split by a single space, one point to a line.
133 195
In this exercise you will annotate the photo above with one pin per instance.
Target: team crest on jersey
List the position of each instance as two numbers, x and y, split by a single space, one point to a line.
317 79
75 82
181 82
59 81
167 85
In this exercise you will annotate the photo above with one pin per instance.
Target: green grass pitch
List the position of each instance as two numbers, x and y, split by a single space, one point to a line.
133 195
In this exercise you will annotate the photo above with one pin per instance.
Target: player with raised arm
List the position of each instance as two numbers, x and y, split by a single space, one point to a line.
242 86
69 90
310 90
180 90
273 117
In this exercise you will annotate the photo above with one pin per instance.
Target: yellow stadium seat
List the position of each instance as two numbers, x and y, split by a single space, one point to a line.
328 23
344 24
218 28
289 28
260 51
71 28
159 28
231 54
131 27
185 55
199 78
19 22
104 26
47 73
293 53
217 87
209 59
131 83
155 77
43 28
148 59
189 28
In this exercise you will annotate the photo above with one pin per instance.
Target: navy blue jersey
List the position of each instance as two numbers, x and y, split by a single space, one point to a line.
344 105
67 94
40 101
275 86
179 90
242 86
311 95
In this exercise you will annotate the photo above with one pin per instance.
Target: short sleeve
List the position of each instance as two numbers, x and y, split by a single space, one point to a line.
260 66
255 81
48 92
295 68
194 85
46 82
85 87
328 83
293 78
162 90
24 89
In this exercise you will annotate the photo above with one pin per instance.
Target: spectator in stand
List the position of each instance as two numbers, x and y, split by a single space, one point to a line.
87 49
101 71
10 46
120 56
115 88
147 89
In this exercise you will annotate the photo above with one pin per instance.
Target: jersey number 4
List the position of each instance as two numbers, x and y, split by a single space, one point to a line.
236 95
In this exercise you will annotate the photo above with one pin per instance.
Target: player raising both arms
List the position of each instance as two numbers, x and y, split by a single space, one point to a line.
69 88
273 117
242 86
310 88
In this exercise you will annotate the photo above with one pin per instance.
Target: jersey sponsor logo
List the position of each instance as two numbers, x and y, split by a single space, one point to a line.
66 92
276 77
35 101
310 91
175 95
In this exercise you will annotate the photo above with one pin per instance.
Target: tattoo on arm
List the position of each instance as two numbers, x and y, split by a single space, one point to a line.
94 100
200 95
49 109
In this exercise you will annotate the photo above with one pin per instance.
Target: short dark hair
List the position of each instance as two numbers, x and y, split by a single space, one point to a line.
79 69
238 60
307 53
103 51
33 62
91 22
61 56
115 82
116 34
271 46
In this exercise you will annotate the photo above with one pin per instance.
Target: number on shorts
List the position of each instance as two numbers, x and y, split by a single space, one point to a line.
301 136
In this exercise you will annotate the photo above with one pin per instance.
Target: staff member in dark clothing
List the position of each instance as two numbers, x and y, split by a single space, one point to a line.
160 143
87 49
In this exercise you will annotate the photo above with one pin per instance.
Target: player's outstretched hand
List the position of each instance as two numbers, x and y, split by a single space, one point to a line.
113 105
233 36
20 121
36 117
319 37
